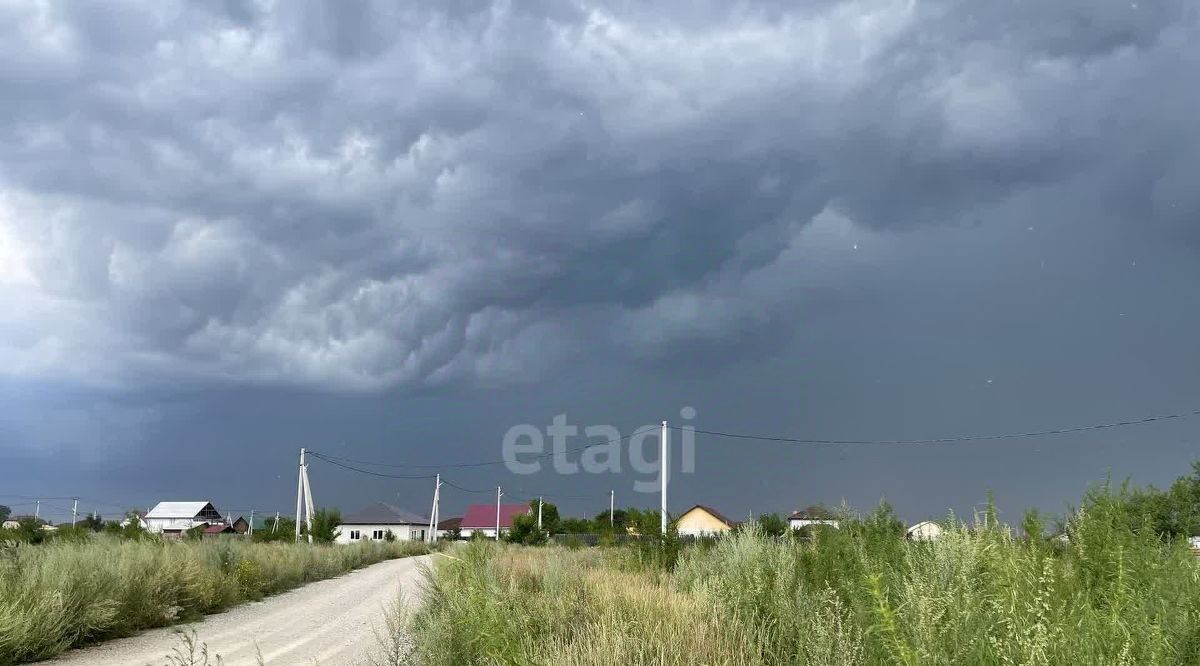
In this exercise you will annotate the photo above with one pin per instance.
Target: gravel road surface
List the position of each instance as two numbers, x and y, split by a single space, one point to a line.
328 623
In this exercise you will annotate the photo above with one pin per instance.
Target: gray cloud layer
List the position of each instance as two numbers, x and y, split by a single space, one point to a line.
358 196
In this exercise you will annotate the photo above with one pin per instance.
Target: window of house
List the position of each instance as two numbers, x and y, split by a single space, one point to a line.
377 534
354 535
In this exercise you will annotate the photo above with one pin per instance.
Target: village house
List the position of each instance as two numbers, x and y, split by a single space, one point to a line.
481 518
172 519
813 515
700 521
377 521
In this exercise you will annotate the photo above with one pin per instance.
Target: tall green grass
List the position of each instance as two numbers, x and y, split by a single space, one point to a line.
1107 594
62 594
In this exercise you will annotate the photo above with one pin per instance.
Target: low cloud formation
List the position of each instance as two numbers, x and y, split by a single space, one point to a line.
357 196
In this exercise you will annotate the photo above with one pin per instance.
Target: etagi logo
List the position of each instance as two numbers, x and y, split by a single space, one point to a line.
600 451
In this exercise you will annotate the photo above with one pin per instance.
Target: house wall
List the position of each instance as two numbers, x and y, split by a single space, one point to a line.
489 532
367 532
158 525
698 522
797 523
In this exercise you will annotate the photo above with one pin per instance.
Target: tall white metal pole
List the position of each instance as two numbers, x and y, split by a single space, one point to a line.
74 510
250 531
37 511
299 494
665 464
437 509
437 486
308 502
539 514
498 493
611 495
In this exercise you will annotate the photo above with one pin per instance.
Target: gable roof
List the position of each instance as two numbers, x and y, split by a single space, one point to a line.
710 511
180 509
813 513
483 516
450 524
219 528
381 513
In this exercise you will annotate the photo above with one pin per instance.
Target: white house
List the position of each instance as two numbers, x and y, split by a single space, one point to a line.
375 522
926 530
813 515
175 518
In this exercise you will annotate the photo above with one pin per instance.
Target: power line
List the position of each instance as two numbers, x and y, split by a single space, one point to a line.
949 440
366 471
329 458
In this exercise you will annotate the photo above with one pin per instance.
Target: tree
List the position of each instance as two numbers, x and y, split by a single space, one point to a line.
91 522
618 522
284 532
576 526
550 516
772 524
5 512
525 531
325 525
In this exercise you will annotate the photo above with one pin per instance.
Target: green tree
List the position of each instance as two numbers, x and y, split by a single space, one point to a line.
325 525
772 524
91 522
550 517
5 512
577 526
525 531
285 531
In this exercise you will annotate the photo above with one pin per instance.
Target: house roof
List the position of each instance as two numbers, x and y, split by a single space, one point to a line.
483 516
179 509
383 514
217 529
813 513
710 511
450 523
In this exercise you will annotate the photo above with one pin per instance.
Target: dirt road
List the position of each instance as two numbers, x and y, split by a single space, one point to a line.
328 623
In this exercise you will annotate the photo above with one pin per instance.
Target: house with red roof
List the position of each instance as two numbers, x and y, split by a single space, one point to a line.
482 518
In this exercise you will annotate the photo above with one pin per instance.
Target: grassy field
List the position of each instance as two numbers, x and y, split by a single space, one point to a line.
1108 594
66 593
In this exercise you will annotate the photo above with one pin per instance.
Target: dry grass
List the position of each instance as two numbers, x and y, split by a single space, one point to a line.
859 595
63 594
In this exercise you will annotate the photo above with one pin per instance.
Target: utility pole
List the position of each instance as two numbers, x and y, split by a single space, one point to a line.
299 494
663 463
74 510
433 511
539 513
498 495
611 496
37 511
276 525
304 499
251 530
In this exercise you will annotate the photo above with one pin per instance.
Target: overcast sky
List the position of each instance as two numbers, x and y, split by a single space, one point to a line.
390 233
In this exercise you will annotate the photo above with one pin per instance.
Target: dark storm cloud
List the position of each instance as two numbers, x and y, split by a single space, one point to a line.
358 195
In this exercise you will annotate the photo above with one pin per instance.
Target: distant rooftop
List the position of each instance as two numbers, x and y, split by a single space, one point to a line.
381 513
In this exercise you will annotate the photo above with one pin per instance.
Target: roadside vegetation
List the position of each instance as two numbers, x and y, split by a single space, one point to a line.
1111 586
70 591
